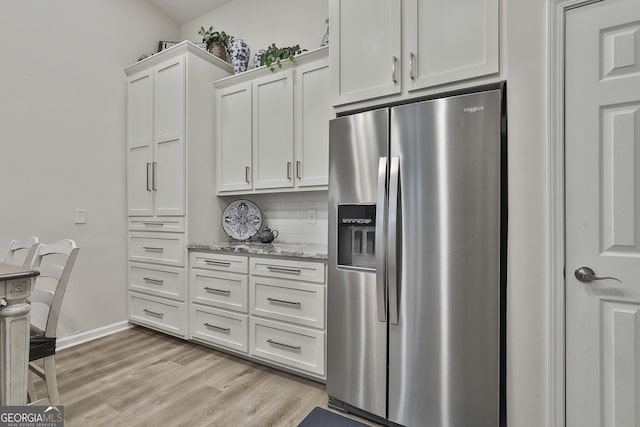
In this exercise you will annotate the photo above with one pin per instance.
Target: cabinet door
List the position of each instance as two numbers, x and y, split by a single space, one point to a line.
312 113
273 131
234 138
452 40
365 49
169 167
139 144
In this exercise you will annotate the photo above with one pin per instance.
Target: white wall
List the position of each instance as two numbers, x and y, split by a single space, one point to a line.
528 200
62 116
262 22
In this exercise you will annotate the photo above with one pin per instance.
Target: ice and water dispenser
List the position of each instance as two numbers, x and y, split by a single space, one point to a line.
357 236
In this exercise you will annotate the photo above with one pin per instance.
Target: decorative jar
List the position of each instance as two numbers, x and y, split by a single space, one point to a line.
256 58
239 51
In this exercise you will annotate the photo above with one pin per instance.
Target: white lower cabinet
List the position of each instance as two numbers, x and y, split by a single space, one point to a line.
219 327
218 289
159 280
289 301
158 313
295 347
271 310
161 248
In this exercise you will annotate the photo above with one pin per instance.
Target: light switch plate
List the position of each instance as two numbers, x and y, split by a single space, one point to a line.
81 216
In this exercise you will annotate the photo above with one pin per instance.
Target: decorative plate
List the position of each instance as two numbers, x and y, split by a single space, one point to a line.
241 219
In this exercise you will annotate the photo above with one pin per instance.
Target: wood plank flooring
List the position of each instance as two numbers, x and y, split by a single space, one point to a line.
142 378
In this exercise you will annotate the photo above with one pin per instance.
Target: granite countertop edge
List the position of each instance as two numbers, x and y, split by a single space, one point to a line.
295 250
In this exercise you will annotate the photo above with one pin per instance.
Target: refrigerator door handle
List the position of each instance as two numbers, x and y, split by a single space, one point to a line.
381 290
392 254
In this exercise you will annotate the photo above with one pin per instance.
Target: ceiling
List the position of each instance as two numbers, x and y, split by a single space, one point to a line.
186 10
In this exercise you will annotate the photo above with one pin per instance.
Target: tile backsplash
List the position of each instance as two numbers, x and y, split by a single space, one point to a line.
287 213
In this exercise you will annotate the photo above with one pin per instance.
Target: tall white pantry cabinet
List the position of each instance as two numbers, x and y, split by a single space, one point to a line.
170 182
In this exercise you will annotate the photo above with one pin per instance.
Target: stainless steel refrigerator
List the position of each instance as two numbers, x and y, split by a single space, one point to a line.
417 260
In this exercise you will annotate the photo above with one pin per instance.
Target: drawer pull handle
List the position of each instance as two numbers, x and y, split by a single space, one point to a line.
148 166
220 263
281 301
152 249
209 325
218 291
153 224
154 281
291 347
284 270
153 313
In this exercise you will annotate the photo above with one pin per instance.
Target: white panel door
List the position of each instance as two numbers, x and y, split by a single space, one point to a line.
139 144
365 49
273 131
169 166
603 214
453 40
234 138
312 112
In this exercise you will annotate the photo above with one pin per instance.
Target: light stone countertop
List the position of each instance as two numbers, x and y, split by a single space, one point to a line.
297 250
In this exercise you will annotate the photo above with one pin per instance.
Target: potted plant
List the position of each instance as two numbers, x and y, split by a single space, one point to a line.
217 41
273 55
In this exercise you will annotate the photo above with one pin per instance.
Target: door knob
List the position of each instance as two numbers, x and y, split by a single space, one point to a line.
587 275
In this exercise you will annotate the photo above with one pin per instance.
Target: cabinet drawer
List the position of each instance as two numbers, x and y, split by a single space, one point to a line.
295 302
156 224
160 248
167 282
286 269
158 313
219 327
219 289
214 261
296 347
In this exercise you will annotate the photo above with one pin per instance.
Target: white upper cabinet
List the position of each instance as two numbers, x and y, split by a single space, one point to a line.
312 115
452 40
155 123
234 164
273 128
398 49
140 144
169 167
365 48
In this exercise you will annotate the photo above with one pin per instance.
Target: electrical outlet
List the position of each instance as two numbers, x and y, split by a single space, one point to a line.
81 216
311 216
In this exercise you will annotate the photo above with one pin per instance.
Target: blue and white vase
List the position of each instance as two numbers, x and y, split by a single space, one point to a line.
256 58
239 51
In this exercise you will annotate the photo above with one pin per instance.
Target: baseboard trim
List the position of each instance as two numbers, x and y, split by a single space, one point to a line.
82 337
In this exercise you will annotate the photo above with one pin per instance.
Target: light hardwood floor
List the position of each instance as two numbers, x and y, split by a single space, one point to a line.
142 378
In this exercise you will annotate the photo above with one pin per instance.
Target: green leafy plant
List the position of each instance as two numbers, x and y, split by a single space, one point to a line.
273 55
211 36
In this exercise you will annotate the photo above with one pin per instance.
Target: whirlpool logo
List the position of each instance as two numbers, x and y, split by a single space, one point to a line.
474 109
